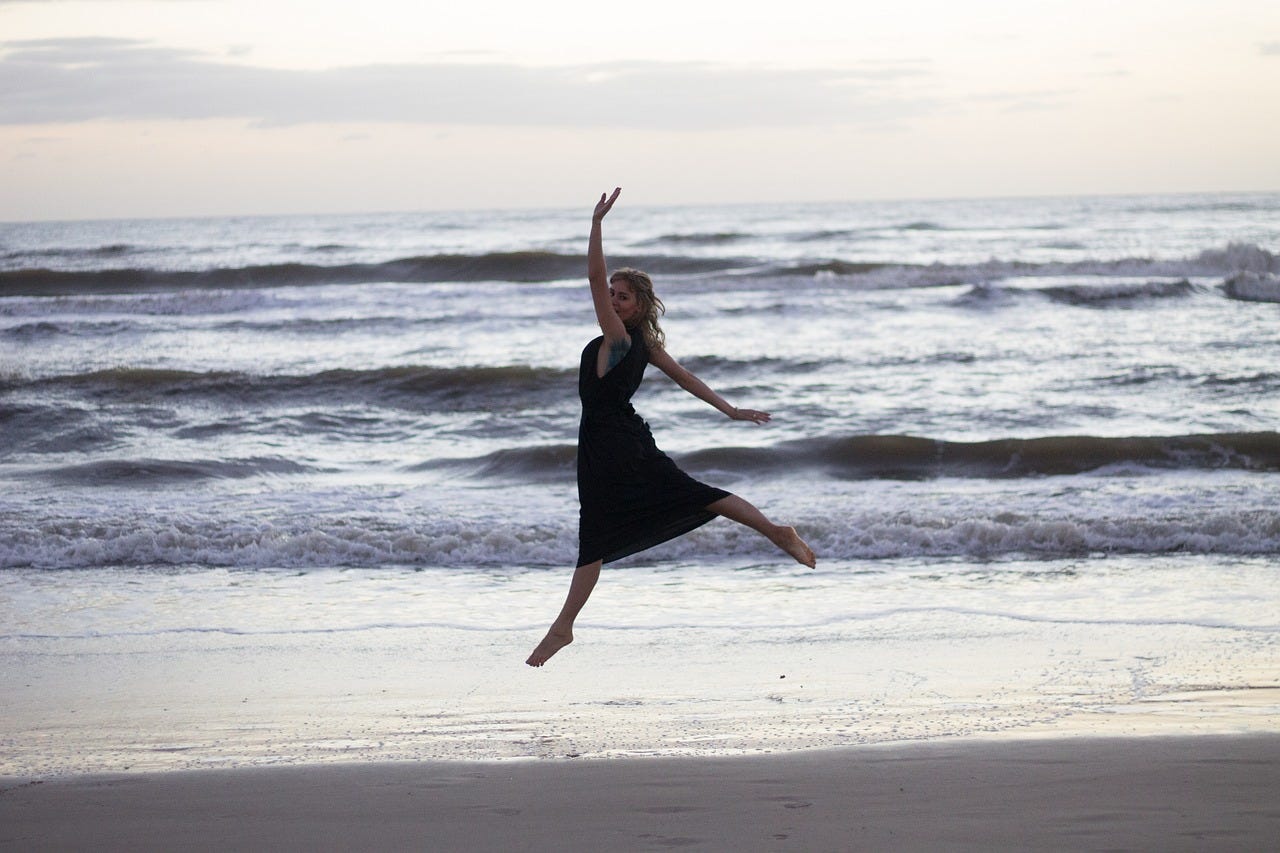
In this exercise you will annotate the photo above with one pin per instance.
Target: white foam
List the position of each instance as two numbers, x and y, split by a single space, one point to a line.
1233 258
373 541
1253 286
1244 257
163 303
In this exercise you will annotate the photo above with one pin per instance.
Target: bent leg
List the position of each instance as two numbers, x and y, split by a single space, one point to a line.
786 538
561 632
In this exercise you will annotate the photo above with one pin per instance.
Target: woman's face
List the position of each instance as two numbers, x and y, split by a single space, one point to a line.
625 304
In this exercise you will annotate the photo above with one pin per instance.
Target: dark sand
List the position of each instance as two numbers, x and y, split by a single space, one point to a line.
1193 793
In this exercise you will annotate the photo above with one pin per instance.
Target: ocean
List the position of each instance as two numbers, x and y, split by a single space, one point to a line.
1032 441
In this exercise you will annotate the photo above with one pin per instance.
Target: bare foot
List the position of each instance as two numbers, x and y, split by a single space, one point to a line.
788 540
552 643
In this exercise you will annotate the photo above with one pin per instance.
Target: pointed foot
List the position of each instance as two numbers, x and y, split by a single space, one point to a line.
552 643
790 541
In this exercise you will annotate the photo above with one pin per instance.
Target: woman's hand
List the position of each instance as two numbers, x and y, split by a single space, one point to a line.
751 415
605 204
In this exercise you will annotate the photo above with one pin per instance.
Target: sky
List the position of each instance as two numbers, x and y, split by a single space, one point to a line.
124 108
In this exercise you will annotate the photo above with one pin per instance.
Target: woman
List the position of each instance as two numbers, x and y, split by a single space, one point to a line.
632 495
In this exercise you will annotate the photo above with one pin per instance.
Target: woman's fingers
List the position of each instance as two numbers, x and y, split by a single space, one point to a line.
606 202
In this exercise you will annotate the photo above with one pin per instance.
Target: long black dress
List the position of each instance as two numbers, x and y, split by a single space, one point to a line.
632 495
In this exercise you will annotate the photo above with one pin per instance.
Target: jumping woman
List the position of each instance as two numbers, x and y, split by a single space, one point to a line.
632 496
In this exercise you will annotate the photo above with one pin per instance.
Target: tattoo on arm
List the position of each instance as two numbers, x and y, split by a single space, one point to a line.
617 351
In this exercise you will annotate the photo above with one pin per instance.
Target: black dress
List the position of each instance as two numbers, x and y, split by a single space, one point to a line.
632 495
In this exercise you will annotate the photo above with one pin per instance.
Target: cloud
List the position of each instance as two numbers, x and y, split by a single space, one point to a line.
82 79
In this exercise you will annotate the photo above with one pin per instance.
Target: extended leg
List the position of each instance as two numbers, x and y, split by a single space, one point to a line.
786 538
561 633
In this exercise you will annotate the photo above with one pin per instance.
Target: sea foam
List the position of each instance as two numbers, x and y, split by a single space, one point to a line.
1253 286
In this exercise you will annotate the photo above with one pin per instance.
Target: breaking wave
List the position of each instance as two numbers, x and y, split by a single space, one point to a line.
1252 286
142 472
496 266
536 266
1105 294
158 539
912 458
459 387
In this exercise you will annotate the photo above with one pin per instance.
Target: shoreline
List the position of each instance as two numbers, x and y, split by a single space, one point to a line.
1157 792
268 669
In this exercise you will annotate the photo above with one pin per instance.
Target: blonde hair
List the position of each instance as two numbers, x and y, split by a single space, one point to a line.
651 307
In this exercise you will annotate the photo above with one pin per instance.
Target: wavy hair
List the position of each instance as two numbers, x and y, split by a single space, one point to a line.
651 307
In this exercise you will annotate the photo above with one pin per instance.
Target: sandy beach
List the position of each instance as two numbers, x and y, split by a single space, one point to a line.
1062 794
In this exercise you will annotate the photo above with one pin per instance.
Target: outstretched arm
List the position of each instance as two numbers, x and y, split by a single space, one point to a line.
659 358
615 333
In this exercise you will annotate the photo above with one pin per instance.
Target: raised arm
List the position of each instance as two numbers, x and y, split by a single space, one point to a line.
615 333
659 358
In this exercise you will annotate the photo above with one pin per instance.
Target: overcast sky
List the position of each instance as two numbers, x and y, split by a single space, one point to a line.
182 107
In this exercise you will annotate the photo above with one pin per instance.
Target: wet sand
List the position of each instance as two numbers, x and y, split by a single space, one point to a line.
1180 793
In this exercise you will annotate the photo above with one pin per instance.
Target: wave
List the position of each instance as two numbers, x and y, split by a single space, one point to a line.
717 238
416 386
159 303
866 232
822 235
1228 261
110 250
893 457
262 540
546 463
909 457
938 357
329 326
820 269
825 234
531 266
1264 381
258 541
144 472
1116 292
1259 205
1239 257
904 457
1253 287
495 266
54 429
1096 293
754 366
999 534
45 329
